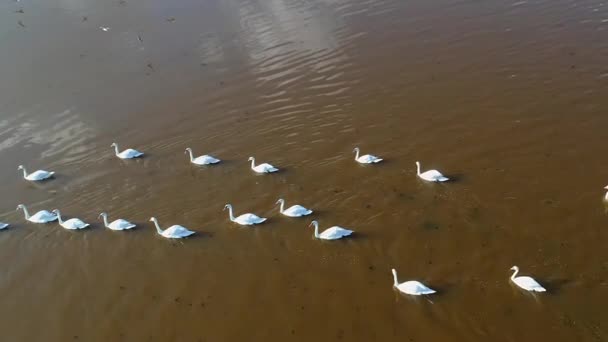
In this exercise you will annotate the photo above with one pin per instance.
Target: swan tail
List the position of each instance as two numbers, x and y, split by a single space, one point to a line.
378 160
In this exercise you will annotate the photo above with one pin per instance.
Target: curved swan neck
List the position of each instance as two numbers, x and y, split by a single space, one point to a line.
158 230
191 156
230 213
252 163
282 208
356 153
58 216
24 172
515 272
105 220
395 282
316 229
116 148
26 212
418 168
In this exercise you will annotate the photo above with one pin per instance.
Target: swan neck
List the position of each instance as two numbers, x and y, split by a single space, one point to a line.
316 230
116 149
191 156
24 173
514 273
59 217
230 214
282 207
105 221
356 154
418 168
252 163
395 282
26 212
158 230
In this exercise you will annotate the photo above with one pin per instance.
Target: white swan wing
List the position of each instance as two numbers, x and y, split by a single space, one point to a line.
297 211
3 225
265 168
130 153
415 288
433 176
43 216
528 283
121 224
249 219
39 175
205 160
74 224
369 159
177 231
335 233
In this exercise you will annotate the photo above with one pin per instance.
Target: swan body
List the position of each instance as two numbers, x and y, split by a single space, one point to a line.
412 287
36 176
431 175
367 158
173 232
526 283
119 224
202 160
245 219
73 223
126 154
294 210
3 225
262 168
43 216
333 233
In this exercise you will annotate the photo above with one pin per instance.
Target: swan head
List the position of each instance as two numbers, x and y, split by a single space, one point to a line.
20 167
152 219
103 215
20 206
250 159
56 211
515 268
280 200
313 223
356 149
394 272
227 206
113 144
188 149
417 163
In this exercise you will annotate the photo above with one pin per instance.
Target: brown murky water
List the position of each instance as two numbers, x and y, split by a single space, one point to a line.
509 98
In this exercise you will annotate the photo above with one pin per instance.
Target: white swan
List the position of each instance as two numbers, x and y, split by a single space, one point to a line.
262 168
366 159
294 210
43 216
245 219
431 175
173 232
39 175
332 233
412 287
73 223
126 154
119 224
3 225
526 283
202 160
